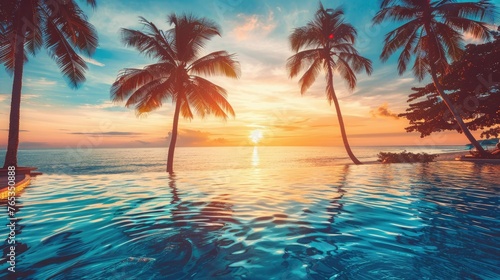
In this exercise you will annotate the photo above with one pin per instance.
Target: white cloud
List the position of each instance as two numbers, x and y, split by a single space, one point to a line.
42 82
30 96
106 104
92 61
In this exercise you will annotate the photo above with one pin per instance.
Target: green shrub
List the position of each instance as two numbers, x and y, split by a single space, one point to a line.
405 157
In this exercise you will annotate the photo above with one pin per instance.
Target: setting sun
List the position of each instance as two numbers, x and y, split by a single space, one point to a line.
256 136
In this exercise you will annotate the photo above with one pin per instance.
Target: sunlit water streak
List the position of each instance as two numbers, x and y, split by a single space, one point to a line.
400 221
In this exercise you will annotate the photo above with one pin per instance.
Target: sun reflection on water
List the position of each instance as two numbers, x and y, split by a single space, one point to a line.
255 157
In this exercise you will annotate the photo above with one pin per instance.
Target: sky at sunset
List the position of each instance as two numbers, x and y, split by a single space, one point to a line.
269 107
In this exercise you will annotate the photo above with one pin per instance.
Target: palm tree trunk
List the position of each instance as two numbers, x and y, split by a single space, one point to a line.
173 139
15 103
455 114
341 120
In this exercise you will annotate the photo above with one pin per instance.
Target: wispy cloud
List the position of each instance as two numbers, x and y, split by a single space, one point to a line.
189 137
384 134
109 133
93 61
104 105
40 82
253 24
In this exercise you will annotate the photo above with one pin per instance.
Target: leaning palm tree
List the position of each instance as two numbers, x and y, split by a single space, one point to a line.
327 42
26 26
433 32
175 76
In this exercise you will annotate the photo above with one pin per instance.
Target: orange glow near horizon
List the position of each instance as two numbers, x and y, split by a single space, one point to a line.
43 130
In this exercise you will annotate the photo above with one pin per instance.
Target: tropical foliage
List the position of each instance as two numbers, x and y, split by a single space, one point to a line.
177 75
26 26
474 85
327 43
405 157
432 33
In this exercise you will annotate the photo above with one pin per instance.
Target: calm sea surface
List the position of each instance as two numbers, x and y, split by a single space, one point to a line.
254 213
112 161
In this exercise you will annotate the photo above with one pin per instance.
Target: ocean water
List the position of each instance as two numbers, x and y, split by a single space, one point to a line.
112 161
256 213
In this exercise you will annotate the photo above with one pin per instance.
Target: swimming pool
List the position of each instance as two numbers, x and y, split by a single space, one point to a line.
400 221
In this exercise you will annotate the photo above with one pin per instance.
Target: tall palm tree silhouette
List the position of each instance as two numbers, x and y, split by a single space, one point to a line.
26 26
175 77
327 42
433 33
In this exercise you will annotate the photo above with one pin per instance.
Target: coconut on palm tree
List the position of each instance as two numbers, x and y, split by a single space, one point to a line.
432 32
327 43
175 77
26 26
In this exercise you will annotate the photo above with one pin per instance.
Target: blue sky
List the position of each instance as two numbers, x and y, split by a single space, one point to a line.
264 98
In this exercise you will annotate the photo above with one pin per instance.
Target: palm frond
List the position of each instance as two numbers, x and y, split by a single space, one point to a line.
162 88
406 53
191 34
296 63
73 23
357 62
421 65
396 13
345 33
71 64
472 10
346 72
8 49
17 21
475 28
144 44
451 39
330 89
399 37
127 81
208 98
186 111
310 75
216 63
164 40
155 94
32 26
304 37
343 47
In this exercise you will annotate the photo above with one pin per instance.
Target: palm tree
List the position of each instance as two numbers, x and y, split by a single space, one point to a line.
433 33
27 26
326 43
175 77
